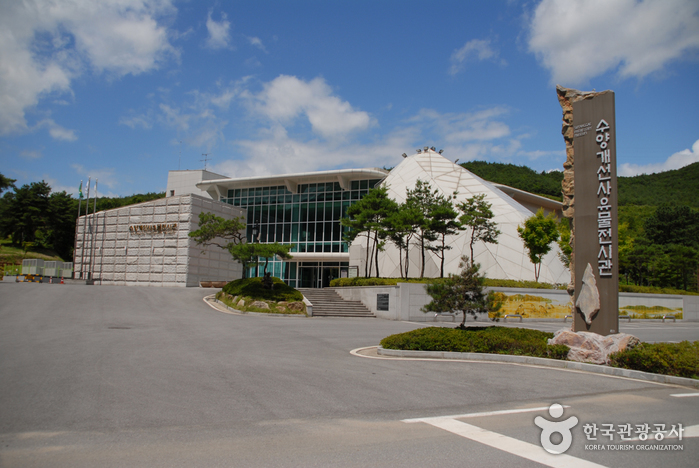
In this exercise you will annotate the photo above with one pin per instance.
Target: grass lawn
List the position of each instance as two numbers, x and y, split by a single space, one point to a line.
13 255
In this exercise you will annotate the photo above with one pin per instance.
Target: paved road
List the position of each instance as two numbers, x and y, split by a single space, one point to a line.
127 376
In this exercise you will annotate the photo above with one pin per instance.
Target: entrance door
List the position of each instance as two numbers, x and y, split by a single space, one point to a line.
309 277
329 274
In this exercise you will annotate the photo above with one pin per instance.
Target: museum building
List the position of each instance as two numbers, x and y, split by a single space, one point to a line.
305 209
149 243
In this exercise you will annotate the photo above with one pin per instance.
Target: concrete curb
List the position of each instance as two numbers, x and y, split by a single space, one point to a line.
211 298
555 363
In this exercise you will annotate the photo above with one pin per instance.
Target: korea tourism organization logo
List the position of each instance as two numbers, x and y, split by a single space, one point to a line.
605 436
563 427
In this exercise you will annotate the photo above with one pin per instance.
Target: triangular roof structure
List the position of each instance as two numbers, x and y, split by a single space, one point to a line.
508 259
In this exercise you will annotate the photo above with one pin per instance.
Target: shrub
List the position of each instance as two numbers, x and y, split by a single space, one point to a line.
496 340
488 282
253 288
678 359
632 288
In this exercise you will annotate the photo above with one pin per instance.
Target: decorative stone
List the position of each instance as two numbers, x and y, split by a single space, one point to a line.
588 300
241 303
591 347
296 306
260 305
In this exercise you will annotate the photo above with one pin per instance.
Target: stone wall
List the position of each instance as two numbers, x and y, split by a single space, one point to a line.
407 299
148 244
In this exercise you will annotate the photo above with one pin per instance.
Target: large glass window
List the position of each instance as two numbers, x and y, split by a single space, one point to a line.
309 219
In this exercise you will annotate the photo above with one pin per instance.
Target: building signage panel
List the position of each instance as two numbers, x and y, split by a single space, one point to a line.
155 228
382 302
596 221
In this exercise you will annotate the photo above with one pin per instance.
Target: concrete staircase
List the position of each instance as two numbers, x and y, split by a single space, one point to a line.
327 303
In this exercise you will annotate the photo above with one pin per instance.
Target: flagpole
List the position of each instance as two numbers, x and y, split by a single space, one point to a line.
77 223
93 233
87 209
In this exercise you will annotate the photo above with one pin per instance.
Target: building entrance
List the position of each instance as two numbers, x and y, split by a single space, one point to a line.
318 274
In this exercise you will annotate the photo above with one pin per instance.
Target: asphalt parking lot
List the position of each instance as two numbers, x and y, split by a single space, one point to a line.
129 376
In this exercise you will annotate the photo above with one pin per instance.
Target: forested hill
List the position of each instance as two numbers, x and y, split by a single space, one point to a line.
521 177
680 186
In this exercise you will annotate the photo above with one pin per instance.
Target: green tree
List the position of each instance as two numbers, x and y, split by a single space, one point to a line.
223 233
249 254
25 211
459 293
478 216
673 225
443 223
420 201
218 231
566 250
62 219
538 233
673 259
399 229
6 183
367 216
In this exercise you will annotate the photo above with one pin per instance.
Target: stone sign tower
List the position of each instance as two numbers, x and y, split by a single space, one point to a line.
590 200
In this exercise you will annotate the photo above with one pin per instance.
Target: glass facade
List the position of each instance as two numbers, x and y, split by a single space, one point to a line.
308 220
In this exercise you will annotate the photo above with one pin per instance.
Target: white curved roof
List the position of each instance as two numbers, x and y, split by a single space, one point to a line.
506 260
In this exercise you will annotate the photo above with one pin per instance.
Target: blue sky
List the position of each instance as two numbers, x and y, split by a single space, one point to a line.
125 90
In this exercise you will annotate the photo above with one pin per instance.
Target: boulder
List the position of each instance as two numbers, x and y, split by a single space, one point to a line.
591 347
241 303
296 306
260 305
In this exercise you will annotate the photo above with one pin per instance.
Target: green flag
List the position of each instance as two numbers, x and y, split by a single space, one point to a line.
80 190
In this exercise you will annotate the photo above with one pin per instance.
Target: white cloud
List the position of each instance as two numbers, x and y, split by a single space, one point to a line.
479 49
30 154
460 128
44 45
467 136
255 41
58 187
286 97
219 32
676 161
135 121
56 131
276 153
580 39
103 177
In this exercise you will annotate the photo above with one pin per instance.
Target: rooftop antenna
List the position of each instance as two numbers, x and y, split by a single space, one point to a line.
179 164
206 159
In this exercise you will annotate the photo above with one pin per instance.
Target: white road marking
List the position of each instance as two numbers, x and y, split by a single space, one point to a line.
682 395
510 445
477 415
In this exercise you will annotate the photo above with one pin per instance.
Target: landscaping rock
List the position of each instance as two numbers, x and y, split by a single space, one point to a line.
260 305
296 306
241 303
591 347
